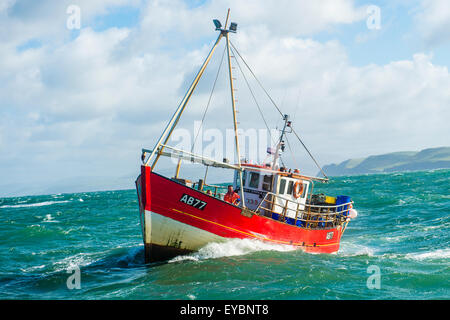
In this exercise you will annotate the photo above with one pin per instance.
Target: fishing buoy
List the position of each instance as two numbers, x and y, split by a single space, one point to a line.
298 189
352 213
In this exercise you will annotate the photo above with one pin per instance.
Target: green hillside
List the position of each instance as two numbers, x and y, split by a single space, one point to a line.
427 159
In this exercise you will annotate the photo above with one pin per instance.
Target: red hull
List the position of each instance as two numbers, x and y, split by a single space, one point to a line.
162 196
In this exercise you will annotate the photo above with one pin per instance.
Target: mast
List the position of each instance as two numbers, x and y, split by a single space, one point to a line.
233 105
280 144
162 142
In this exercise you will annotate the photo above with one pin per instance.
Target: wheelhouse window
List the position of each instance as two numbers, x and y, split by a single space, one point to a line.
236 179
305 186
244 177
282 186
290 187
267 183
254 180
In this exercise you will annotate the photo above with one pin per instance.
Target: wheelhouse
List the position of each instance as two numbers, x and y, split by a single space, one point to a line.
289 189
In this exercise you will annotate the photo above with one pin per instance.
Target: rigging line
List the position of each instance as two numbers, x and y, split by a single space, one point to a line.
281 113
265 91
292 153
317 164
282 162
209 100
253 95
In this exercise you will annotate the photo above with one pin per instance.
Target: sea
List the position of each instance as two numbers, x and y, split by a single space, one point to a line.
89 246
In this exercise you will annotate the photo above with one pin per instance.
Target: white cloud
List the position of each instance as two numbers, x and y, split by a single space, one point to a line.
278 17
86 106
348 111
433 21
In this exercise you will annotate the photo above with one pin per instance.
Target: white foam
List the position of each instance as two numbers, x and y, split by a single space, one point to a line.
77 260
397 238
436 254
427 228
232 247
39 204
31 269
49 218
79 228
348 249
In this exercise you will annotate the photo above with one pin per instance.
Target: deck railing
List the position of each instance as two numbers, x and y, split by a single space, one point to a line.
306 215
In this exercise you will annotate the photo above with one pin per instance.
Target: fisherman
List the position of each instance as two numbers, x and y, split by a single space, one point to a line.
209 193
231 196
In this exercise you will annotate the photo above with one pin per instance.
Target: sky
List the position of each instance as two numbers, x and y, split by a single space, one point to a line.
86 84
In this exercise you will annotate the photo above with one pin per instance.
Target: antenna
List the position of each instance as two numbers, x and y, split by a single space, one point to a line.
232 28
217 24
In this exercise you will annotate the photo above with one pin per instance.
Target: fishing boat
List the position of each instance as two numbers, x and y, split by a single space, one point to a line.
266 201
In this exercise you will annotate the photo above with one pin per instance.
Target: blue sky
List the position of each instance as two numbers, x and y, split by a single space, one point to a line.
118 17
77 105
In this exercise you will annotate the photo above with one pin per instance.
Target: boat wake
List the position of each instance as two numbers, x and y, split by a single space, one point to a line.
232 247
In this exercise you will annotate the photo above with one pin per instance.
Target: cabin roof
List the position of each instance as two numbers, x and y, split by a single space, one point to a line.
256 167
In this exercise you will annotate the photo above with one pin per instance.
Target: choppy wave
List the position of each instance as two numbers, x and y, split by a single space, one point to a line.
430 255
79 260
403 227
354 249
49 218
